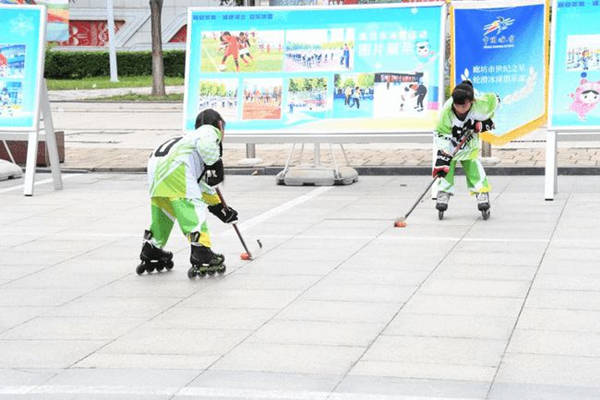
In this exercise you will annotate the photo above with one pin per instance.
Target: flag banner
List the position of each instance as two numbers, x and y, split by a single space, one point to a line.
500 46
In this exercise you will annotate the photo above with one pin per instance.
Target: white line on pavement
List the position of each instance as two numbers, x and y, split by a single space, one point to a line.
203 392
10 189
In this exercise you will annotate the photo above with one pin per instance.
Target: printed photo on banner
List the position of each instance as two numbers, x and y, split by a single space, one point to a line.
12 60
319 50
220 95
11 98
353 95
307 97
242 51
399 93
583 52
262 98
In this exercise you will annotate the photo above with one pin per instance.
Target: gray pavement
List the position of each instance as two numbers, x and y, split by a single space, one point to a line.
339 305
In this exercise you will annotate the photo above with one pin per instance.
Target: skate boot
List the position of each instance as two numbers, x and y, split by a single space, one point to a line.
153 257
204 261
442 203
483 204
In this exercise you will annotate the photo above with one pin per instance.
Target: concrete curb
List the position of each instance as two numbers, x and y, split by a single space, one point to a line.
365 171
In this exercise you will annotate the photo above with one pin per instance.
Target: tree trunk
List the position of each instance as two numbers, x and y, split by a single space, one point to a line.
158 67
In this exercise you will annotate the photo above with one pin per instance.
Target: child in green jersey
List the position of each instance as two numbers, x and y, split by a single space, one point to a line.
182 173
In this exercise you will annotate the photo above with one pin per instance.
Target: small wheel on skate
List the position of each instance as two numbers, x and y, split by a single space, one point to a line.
485 214
169 265
191 273
159 268
149 268
211 272
440 214
140 269
221 271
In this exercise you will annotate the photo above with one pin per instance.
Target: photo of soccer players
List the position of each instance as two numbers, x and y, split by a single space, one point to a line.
12 60
220 95
319 50
11 98
307 97
353 95
262 98
242 51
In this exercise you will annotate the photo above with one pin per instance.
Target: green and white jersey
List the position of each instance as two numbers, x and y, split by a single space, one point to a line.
449 129
175 167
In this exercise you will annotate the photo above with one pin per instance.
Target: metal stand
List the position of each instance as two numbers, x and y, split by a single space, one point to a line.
551 173
317 174
51 147
251 158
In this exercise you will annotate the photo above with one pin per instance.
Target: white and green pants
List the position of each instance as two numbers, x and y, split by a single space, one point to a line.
476 179
189 213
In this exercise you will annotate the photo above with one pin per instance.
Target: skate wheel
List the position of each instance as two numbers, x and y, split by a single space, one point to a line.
191 273
440 215
485 214
211 272
159 268
140 269
150 268
222 270
169 265
202 274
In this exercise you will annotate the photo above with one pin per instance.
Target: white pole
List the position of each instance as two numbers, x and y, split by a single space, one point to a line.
551 177
111 41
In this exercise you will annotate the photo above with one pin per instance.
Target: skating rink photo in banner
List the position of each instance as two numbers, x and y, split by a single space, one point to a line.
575 66
317 69
500 46
21 57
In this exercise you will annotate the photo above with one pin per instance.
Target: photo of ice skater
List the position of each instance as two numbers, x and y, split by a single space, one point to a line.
583 52
220 95
262 99
11 98
398 93
353 95
12 60
242 51
319 49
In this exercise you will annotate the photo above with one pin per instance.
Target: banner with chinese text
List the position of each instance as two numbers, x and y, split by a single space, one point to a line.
21 65
317 70
575 66
501 47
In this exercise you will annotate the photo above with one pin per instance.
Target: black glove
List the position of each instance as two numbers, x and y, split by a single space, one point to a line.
214 174
442 164
487 125
225 214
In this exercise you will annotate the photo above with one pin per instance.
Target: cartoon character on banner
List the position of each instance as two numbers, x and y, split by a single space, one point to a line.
425 55
586 97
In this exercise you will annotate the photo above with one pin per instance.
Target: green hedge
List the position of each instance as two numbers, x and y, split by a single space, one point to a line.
83 64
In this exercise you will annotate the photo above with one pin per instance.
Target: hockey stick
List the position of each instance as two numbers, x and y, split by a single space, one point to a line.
247 255
401 221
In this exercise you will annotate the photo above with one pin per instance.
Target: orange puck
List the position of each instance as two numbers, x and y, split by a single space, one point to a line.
245 256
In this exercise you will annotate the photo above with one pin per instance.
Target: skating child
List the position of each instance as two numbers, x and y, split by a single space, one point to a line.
460 114
182 173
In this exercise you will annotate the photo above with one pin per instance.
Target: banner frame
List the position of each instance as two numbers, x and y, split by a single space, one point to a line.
247 136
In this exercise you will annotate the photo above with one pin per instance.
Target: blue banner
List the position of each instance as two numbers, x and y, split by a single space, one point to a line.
311 70
21 53
575 65
502 50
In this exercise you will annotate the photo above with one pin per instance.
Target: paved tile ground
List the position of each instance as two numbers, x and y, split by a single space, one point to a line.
339 305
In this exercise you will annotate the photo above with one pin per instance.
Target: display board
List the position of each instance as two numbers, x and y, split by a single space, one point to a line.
335 70
21 66
57 28
575 66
